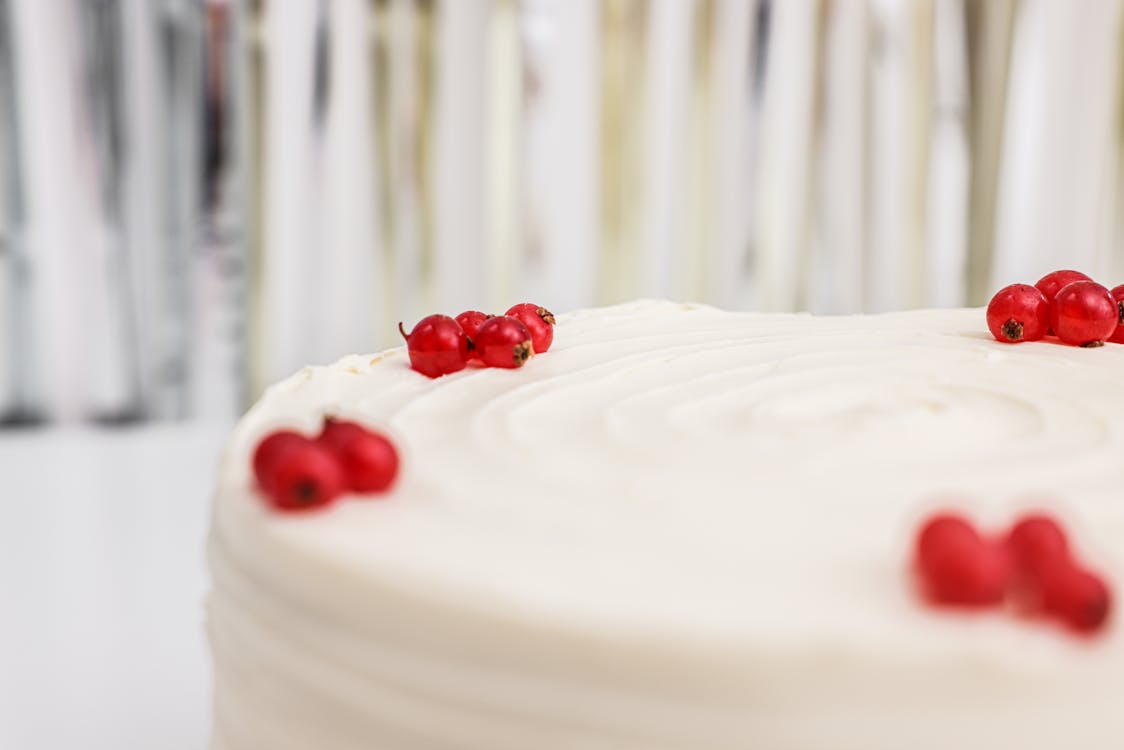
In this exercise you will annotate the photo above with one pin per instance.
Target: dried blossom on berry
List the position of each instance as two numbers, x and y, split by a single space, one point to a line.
539 321
504 342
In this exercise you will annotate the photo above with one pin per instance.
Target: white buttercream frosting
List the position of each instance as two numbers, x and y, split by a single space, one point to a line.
681 528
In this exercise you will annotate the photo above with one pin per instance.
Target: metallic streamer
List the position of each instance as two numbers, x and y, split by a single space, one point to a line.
623 32
17 396
257 173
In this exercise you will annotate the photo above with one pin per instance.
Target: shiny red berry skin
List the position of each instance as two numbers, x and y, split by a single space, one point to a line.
957 566
304 477
1018 312
1118 294
470 322
940 530
368 460
1084 314
1078 598
270 450
503 342
1052 283
539 321
1038 546
437 346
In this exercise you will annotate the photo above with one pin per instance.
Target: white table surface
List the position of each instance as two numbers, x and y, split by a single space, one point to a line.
102 579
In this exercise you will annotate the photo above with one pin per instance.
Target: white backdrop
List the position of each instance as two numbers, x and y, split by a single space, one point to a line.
396 157
834 156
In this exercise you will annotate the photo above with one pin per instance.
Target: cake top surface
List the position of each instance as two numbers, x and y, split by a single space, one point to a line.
710 479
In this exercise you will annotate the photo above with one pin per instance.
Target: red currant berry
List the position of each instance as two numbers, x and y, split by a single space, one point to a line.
270 450
1118 295
539 321
470 322
1038 546
957 567
940 531
1052 283
369 461
1018 313
305 477
503 342
437 346
1078 598
1084 314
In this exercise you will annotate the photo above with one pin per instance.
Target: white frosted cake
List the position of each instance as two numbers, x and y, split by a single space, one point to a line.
679 529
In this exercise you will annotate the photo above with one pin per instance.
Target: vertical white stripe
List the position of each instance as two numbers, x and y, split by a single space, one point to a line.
561 151
1058 154
458 166
728 280
668 99
839 255
949 165
790 89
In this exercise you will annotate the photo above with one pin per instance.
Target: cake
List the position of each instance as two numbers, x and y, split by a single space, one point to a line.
680 529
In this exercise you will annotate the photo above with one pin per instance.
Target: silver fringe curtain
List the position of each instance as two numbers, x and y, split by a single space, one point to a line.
205 196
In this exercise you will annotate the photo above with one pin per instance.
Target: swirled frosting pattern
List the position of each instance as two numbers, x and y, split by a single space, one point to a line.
680 529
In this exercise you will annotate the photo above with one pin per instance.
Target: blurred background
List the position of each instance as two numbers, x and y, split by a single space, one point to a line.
198 197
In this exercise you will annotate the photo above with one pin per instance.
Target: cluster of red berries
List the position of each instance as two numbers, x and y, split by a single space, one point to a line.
439 345
298 472
1067 304
1031 567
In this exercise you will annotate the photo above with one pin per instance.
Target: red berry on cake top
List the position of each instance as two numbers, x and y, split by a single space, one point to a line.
1052 283
368 460
1078 598
1084 314
272 449
470 322
1118 294
539 321
437 346
1017 313
503 342
300 476
1033 565
959 567
1038 545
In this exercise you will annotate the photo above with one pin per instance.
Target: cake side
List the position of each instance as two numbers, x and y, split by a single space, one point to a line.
681 528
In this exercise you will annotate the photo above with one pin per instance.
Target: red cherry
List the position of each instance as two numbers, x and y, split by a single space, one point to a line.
1118 295
503 342
368 460
1079 598
270 450
470 322
539 321
1038 545
1018 312
1051 284
437 346
958 567
304 477
1084 314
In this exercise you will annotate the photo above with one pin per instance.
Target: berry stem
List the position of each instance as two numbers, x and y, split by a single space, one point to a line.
402 330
